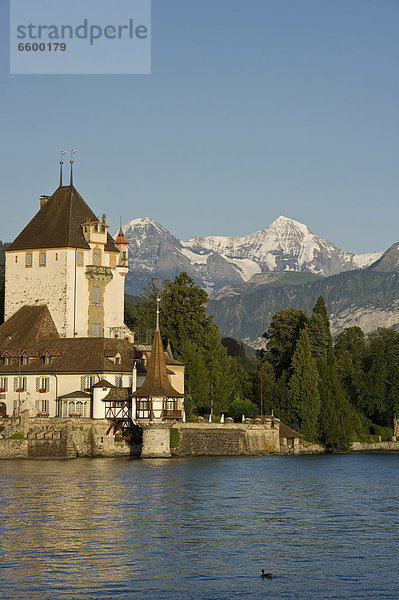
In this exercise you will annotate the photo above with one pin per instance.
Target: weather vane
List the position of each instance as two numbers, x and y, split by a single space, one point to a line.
71 162
61 163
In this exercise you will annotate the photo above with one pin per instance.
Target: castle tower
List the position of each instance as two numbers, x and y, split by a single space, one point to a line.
66 259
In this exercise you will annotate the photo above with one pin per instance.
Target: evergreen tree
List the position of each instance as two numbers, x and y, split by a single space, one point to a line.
303 387
282 405
319 332
184 312
336 416
264 388
350 354
382 376
196 379
282 337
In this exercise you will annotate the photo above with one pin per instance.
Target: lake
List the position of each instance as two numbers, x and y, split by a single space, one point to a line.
324 526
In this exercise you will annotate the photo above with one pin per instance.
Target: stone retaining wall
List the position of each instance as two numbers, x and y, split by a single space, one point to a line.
377 447
228 439
61 438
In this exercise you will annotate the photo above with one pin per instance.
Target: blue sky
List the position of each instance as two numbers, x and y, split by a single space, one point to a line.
254 109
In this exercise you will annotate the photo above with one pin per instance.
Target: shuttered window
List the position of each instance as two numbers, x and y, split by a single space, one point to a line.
19 384
86 382
42 383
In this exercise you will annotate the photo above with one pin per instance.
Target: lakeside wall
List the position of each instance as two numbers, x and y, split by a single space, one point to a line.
88 438
226 439
61 438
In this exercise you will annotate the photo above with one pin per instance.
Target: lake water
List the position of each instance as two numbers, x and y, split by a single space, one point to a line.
325 526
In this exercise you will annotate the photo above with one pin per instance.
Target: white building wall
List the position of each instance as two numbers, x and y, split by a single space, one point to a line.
60 385
62 284
114 303
37 284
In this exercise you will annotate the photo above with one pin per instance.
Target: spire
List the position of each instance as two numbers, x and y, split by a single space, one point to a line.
61 163
158 302
156 384
71 162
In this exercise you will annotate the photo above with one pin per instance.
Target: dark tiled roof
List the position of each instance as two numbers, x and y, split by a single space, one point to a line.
58 224
156 384
77 394
287 432
117 394
26 327
103 383
78 355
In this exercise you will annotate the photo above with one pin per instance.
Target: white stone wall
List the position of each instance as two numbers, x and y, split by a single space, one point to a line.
38 284
63 286
114 303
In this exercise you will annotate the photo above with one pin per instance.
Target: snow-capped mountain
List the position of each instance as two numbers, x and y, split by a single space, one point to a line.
155 252
214 261
286 245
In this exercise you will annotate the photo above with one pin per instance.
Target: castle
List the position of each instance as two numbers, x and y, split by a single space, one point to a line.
65 350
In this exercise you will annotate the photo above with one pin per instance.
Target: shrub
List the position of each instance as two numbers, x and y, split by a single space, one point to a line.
17 436
243 407
174 437
384 432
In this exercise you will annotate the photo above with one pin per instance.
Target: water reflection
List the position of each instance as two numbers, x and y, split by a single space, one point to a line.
199 528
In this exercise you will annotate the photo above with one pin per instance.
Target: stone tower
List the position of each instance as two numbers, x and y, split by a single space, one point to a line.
66 259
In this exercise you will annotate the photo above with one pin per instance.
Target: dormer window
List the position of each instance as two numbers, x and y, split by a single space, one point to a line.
47 358
118 359
24 359
7 359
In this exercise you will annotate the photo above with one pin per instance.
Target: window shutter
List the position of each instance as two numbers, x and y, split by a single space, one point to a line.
82 384
37 384
15 384
6 384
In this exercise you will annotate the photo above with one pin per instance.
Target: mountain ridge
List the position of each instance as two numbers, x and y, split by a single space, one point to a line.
217 261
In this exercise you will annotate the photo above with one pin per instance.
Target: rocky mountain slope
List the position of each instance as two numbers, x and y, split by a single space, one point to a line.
215 262
366 298
389 261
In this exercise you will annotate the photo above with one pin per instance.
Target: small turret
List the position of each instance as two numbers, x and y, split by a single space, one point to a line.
123 246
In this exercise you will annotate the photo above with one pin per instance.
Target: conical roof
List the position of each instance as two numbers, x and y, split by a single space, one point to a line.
156 384
120 239
58 224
